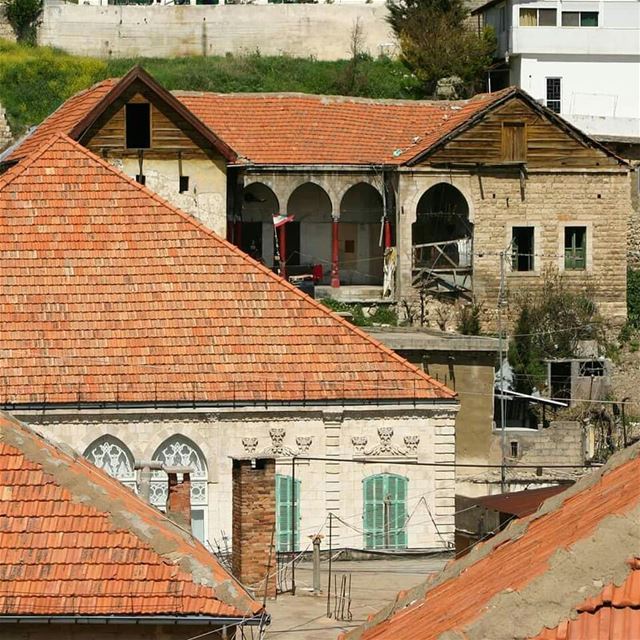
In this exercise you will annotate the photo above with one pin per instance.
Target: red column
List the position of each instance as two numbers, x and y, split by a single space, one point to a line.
387 234
282 247
335 249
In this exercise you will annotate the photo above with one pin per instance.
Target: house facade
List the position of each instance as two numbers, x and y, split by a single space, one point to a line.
390 201
136 334
579 59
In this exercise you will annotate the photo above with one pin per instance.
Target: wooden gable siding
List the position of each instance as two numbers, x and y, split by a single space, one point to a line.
167 137
547 144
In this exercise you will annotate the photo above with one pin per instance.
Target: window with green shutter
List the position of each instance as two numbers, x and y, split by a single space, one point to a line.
385 511
285 510
575 248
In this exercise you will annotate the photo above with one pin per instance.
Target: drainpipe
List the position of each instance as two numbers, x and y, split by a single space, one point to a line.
335 249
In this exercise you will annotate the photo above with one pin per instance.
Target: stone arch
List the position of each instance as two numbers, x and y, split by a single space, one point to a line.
259 205
442 216
309 235
361 252
114 457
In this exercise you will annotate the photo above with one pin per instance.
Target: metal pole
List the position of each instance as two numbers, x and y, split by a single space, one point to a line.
293 525
387 517
316 563
330 554
503 470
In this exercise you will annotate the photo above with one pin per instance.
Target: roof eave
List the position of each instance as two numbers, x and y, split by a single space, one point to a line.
191 619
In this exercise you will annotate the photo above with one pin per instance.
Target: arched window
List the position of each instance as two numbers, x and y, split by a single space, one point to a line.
113 456
287 513
385 511
179 451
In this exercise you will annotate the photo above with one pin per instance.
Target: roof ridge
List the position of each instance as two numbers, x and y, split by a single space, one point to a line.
239 253
37 448
341 98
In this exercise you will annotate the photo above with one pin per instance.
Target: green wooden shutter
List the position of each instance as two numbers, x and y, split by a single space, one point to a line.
379 520
284 506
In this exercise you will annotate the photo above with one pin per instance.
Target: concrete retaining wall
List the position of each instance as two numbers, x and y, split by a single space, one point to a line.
320 30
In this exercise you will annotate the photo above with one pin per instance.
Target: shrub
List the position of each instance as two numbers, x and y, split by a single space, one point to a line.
633 297
469 320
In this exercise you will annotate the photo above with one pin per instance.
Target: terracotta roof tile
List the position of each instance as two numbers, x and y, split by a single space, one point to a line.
291 128
544 571
113 295
74 541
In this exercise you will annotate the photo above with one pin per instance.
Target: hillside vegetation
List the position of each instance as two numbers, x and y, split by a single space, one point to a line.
34 81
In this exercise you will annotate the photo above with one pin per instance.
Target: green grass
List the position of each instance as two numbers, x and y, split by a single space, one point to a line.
36 80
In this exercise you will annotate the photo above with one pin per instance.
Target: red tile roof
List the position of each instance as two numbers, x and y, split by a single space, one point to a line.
308 129
299 128
74 541
111 294
541 572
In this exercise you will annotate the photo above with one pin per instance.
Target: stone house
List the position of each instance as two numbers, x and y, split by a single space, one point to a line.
82 556
134 333
390 199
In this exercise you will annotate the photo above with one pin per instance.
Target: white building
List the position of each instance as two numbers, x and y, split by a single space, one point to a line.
579 58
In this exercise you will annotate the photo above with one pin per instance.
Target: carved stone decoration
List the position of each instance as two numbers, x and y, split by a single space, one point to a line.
278 447
250 444
303 442
386 446
359 443
412 442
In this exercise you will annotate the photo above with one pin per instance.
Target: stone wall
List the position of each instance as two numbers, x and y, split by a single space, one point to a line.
319 30
5 132
6 32
600 201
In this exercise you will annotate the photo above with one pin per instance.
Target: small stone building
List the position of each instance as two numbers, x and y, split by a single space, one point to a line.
133 333
391 201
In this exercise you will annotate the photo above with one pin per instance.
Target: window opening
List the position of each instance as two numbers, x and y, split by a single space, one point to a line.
579 18
523 248
111 455
138 125
575 248
184 184
514 141
385 511
591 369
284 507
560 380
180 452
514 449
553 94
538 17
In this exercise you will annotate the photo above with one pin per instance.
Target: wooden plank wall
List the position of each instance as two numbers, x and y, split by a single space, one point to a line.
167 139
548 145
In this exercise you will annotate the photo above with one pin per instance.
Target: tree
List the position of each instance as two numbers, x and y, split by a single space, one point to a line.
550 325
24 18
436 43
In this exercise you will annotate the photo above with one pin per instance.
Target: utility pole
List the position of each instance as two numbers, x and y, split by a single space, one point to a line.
501 349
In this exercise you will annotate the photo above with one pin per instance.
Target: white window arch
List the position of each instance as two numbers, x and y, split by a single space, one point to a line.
179 451
113 456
